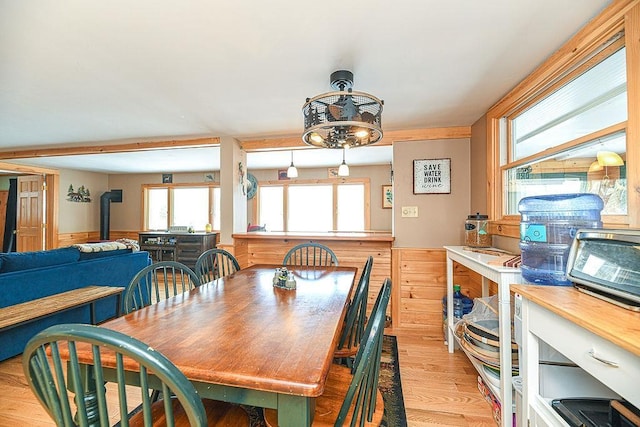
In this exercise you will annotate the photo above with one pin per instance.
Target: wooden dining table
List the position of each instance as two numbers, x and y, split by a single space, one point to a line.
242 340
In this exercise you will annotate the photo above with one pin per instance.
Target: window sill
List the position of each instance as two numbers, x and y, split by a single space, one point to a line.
505 227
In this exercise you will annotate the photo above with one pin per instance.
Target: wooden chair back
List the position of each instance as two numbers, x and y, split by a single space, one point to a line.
310 255
356 317
156 282
50 376
215 263
366 368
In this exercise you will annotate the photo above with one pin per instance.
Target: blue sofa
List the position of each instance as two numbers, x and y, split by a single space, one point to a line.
29 275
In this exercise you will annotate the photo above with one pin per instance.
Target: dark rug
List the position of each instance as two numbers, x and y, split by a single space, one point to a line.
389 384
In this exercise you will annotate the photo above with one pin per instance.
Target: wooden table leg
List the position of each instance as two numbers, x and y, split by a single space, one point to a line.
295 411
90 395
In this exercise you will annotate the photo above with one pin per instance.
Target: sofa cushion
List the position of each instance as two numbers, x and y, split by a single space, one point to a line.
16 261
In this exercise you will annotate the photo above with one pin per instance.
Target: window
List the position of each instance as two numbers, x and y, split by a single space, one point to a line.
271 207
592 101
561 137
318 206
350 207
567 127
157 208
310 208
177 205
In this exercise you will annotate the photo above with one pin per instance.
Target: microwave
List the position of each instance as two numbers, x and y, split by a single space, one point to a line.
605 263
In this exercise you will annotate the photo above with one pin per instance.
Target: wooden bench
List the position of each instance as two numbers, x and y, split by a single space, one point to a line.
26 312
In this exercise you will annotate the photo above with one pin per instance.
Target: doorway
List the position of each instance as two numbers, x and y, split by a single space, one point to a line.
41 192
30 224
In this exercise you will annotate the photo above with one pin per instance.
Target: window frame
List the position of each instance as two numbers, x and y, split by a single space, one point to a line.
332 181
170 187
579 53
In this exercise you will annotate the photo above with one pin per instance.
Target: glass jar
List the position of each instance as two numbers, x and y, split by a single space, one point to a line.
476 231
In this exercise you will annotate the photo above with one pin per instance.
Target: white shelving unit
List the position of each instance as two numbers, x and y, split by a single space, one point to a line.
503 277
603 340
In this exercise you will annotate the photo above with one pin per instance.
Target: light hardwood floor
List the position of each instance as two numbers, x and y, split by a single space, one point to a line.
439 388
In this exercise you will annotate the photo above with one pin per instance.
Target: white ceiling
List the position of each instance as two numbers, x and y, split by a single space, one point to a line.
87 72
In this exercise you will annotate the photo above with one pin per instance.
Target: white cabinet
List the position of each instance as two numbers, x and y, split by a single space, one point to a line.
503 277
603 340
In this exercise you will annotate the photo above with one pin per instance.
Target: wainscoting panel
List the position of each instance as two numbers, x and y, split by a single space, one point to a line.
68 239
420 280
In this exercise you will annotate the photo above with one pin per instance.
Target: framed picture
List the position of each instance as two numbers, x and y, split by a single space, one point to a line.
432 176
167 178
332 172
282 174
387 196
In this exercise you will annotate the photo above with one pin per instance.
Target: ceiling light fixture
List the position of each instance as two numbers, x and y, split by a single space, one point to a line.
595 167
292 172
342 118
606 159
343 170
609 158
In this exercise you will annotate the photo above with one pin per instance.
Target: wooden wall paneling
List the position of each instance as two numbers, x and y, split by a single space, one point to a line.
68 239
422 280
240 250
124 234
471 282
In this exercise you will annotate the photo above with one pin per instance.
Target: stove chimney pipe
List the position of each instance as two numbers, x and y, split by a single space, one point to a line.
105 207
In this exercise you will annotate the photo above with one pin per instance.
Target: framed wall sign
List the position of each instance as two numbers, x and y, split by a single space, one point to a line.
387 196
432 176
332 173
282 174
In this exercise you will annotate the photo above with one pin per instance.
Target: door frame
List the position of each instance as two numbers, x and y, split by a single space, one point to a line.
52 181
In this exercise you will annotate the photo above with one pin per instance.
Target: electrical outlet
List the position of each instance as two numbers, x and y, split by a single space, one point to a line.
409 211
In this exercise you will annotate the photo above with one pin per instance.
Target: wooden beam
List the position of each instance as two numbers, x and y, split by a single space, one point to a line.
263 144
36 170
295 142
112 148
428 134
274 144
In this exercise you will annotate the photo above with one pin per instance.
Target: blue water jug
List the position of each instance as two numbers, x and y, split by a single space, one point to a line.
547 228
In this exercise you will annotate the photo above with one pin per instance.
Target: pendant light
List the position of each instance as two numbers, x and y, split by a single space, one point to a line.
292 172
343 170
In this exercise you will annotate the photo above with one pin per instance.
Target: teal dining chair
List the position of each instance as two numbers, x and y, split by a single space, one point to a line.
215 263
158 281
52 367
351 395
310 255
356 318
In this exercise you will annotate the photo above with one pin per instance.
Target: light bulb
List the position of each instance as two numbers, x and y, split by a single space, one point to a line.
316 138
362 133
292 172
343 170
